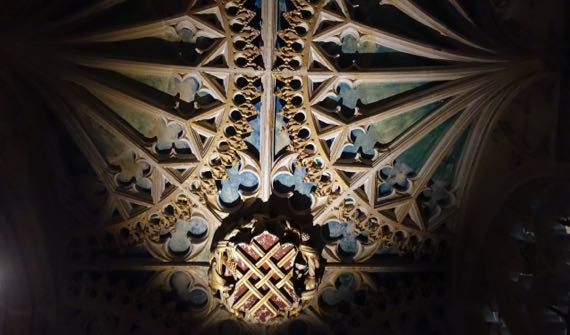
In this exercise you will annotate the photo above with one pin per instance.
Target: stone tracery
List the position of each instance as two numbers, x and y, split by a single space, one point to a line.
361 139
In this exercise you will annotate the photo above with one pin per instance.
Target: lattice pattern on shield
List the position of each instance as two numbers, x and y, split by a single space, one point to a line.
264 270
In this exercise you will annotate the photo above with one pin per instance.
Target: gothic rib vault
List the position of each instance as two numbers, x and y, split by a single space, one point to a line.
372 128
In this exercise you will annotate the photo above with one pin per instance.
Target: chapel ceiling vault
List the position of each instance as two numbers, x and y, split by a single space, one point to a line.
353 126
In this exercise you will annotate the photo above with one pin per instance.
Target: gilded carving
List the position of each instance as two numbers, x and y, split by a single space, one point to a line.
265 271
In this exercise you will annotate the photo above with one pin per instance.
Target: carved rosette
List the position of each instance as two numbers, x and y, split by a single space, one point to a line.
264 271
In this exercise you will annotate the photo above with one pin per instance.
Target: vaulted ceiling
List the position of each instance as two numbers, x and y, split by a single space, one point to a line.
370 126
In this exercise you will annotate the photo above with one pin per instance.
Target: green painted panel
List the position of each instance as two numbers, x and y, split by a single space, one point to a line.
107 144
416 156
145 123
171 84
447 169
370 92
351 44
387 130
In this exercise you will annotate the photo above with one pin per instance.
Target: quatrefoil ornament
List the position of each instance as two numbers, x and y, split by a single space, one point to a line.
265 271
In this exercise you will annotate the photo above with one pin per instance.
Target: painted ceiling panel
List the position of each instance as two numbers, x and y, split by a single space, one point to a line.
187 86
417 154
109 146
391 128
447 170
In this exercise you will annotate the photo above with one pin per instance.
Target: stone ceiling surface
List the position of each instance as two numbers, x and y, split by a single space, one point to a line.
266 166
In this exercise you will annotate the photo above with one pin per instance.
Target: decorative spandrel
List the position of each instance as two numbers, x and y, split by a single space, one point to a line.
366 116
